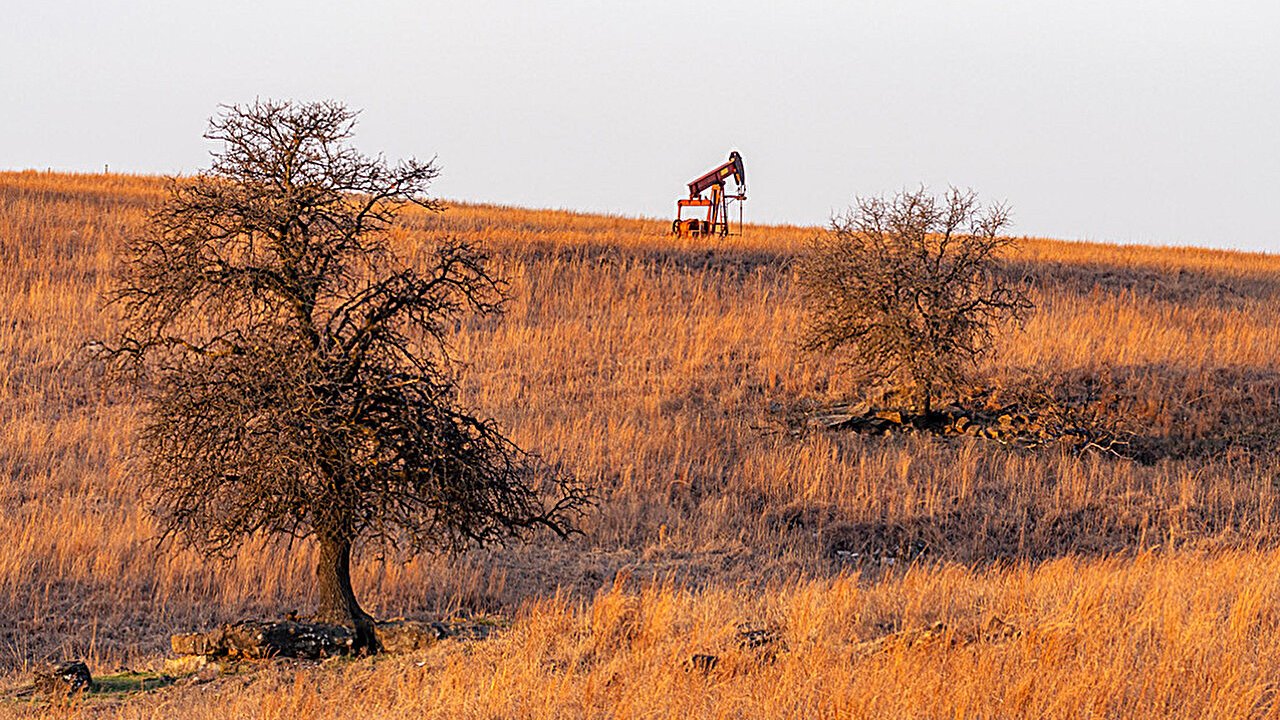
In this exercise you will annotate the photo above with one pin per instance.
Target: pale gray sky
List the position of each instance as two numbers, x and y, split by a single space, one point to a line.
1118 121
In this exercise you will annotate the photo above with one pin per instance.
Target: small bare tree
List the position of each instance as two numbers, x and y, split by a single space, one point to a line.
296 370
909 287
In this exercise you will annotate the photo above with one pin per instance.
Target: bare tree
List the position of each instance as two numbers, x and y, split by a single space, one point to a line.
296 370
909 288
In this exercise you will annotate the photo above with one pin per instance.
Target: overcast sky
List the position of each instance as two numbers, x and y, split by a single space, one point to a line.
1155 122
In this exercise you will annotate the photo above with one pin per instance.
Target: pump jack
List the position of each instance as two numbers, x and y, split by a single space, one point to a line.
716 221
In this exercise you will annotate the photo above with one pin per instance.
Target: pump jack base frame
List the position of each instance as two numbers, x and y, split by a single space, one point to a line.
715 223
697 227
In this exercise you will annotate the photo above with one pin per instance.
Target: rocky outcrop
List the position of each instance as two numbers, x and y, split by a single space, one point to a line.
257 639
1012 424
254 639
405 636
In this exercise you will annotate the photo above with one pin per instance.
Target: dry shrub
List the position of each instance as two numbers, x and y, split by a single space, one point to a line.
907 289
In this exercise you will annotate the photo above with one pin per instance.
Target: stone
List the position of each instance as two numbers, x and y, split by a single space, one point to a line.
63 679
195 643
754 639
831 422
702 663
403 636
892 416
255 640
877 424
185 665
465 630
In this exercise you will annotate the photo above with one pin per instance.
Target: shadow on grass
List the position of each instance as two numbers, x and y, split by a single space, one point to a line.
1182 286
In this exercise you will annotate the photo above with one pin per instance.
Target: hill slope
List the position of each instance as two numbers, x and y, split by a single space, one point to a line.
664 371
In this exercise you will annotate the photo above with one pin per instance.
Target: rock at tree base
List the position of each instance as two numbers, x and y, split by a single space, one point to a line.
890 416
185 665
255 639
402 636
64 678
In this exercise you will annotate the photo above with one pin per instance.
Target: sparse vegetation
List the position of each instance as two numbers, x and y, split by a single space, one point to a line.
1128 589
908 289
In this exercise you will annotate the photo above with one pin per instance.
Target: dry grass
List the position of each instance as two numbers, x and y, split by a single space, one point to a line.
661 370
1188 637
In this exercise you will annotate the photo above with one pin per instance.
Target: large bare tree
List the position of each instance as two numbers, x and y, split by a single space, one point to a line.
909 289
296 371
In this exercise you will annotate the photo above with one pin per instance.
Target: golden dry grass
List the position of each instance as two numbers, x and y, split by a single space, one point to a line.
661 370
1188 637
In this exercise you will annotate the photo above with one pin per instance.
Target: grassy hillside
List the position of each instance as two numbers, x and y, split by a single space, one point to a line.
901 575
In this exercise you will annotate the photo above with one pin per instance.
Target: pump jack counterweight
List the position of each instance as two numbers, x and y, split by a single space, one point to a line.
716 204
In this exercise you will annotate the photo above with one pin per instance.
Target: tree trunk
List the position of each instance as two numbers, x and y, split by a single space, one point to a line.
338 604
